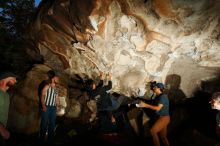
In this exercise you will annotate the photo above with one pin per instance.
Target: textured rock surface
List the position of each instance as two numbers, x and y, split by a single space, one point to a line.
24 116
137 41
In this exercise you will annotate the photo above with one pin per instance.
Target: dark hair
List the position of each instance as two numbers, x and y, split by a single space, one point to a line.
4 75
216 95
51 74
153 84
88 84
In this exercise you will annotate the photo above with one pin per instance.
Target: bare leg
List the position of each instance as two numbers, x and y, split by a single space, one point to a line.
163 135
159 126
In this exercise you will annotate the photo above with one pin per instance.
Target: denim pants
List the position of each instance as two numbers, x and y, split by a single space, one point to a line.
116 103
48 120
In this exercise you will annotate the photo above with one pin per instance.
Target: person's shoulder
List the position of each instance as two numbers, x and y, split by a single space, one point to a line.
44 82
166 96
45 85
163 95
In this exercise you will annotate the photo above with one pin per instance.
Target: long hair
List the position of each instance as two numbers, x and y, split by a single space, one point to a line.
88 84
51 74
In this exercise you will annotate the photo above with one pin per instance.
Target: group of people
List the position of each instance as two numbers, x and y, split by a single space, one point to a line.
48 97
48 101
109 104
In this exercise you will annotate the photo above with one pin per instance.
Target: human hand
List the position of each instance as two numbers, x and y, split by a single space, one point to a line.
142 104
4 132
44 108
113 119
110 76
58 107
101 75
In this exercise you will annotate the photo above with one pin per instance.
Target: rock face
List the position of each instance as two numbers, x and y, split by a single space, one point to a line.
24 115
137 41
171 41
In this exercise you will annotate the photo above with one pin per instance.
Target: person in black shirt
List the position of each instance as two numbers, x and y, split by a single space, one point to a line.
106 104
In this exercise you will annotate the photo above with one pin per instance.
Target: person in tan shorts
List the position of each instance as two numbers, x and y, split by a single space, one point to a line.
161 107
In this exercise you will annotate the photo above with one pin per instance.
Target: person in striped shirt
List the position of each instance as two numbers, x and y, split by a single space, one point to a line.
49 102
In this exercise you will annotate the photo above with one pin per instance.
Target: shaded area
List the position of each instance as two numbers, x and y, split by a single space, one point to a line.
196 129
192 124
198 123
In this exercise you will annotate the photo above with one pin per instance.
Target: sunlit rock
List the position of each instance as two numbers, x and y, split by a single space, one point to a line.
86 37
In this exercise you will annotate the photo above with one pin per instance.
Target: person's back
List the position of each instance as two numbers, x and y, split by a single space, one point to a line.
104 102
100 92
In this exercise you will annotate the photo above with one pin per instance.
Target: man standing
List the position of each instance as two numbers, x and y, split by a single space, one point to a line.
7 80
49 101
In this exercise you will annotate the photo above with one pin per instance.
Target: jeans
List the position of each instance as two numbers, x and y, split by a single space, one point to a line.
116 103
48 120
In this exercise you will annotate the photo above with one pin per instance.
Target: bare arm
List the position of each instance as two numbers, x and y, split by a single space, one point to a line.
43 94
57 101
101 76
110 76
153 107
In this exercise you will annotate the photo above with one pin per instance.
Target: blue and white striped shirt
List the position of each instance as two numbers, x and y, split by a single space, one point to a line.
50 98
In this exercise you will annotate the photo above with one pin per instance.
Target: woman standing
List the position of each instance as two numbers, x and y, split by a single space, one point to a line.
159 128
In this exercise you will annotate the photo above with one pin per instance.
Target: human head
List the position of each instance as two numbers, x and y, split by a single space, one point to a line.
215 101
50 74
152 84
55 80
90 84
158 88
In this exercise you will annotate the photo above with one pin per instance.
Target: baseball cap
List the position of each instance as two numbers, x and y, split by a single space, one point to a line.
160 85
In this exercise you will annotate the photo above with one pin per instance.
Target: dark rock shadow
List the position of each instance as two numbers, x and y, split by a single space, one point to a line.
175 94
196 118
176 97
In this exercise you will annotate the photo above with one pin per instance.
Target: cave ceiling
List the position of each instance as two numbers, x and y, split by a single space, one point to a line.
136 40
